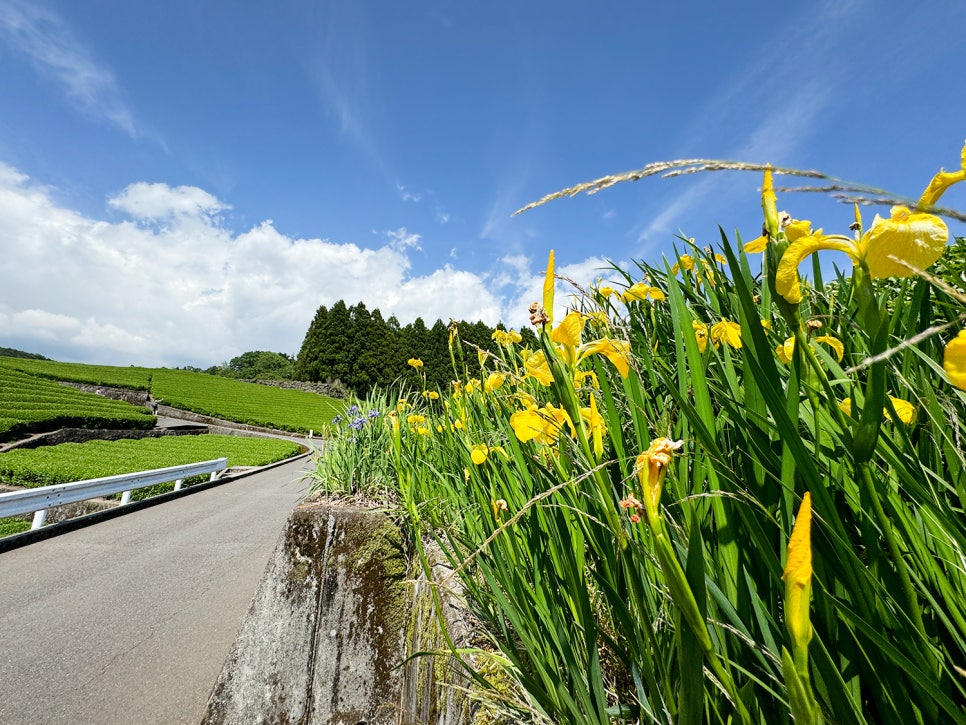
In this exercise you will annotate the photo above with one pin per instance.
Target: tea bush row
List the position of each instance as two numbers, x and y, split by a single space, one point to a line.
248 403
30 404
136 378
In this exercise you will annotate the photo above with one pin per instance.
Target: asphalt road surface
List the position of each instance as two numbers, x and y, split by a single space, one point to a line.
129 621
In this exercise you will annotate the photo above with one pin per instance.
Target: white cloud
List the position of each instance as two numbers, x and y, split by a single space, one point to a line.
401 239
407 195
159 201
185 290
44 39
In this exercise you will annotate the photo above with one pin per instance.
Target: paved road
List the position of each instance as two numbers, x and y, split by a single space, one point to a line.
129 621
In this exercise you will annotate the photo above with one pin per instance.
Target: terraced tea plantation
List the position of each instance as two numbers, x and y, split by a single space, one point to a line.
79 461
234 400
31 404
261 405
108 375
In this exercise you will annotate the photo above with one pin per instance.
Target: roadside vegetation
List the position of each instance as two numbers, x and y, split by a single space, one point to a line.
708 494
68 462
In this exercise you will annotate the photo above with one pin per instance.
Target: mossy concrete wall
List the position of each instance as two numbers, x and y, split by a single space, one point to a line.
341 629
324 637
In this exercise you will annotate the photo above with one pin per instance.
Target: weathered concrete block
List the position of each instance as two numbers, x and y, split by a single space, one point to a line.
325 633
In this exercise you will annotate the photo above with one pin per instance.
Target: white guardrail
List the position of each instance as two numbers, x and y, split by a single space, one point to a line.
38 500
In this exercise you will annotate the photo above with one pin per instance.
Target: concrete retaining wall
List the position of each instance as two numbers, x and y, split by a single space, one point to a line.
329 631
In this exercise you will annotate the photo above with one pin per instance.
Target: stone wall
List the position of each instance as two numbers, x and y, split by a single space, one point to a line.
134 397
334 389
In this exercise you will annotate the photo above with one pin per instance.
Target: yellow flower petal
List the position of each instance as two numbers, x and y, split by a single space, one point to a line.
798 576
478 454
569 330
548 284
786 276
700 334
904 409
918 239
942 181
617 351
757 245
799 228
833 343
685 261
535 363
954 360
728 331
786 350
494 381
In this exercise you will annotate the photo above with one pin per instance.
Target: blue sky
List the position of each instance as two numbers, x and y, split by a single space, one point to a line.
181 182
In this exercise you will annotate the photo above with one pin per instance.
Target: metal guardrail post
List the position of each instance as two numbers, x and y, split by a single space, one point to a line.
39 518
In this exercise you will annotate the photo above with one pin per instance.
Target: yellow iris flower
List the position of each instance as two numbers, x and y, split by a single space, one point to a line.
685 261
642 292
904 409
494 381
913 237
567 335
954 360
535 363
506 338
415 362
787 348
700 334
542 425
480 452
727 331
908 235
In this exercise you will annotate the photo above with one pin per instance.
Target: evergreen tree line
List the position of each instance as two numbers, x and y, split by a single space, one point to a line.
361 349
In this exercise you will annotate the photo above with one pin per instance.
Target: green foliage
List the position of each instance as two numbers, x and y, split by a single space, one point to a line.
256 365
356 459
249 403
13 525
11 352
68 462
31 404
607 609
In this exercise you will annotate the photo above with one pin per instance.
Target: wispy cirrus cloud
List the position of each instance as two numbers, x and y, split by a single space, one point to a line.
43 38
765 112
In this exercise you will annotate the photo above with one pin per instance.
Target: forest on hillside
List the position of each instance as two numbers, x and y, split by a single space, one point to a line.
364 350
